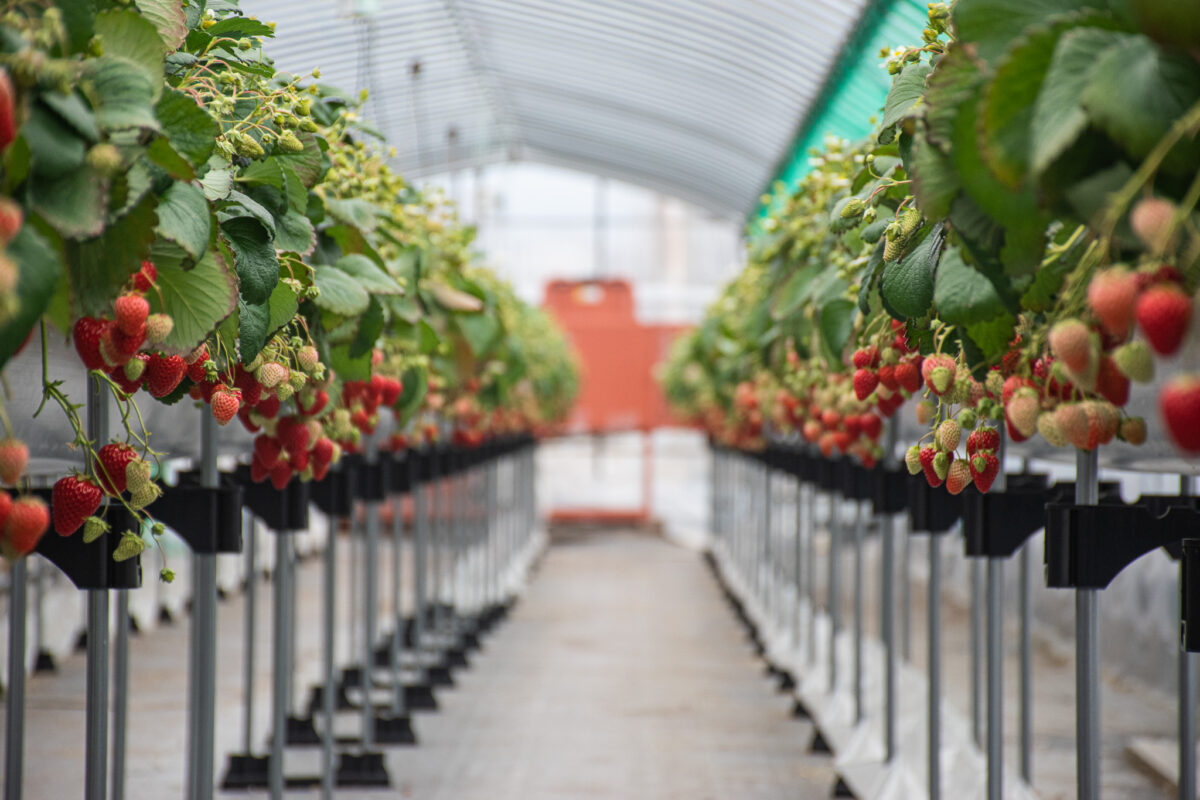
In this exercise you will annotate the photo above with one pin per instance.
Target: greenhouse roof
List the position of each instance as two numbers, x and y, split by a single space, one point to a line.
695 98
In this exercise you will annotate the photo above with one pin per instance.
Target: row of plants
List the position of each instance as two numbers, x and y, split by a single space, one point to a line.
1015 245
209 230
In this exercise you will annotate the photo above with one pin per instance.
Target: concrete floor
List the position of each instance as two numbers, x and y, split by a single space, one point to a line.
621 674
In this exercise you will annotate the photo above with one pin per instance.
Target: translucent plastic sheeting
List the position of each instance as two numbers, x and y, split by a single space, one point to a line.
695 98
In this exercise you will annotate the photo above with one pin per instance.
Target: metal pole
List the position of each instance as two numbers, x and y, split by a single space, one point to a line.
96 748
203 664
120 695
995 658
370 593
421 556
397 651
767 565
888 610
279 649
14 698
328 623
1087 652
1187 722
934 633
835 584
906 595
977 655
859 711
797 561
810 577
250 637
1026 643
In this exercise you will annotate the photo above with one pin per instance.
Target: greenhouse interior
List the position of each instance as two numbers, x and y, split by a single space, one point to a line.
532 400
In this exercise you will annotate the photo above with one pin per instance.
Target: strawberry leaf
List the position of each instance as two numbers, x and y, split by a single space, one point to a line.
196 299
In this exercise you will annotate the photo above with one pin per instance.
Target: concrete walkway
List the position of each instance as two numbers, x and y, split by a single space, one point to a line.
624 675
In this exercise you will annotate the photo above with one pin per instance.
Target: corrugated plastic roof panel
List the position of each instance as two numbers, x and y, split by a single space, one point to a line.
695 98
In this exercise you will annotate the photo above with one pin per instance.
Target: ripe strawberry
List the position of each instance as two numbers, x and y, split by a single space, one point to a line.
872 425
826 444
268 407
865 382
292 434
912 459
908 376
158 327
1112 295
86 334
987 438
280 474
948 434
11 220
927 457
866 357
73 499
811 431
391 392
323 450
27 521
130 312
311 402
1111 383
6 504
959 477
1133 430
225 403
1072 343
1163 312
144 278
259 471
299 460
267 449
1135 360
8 110
195 364
887 377
14 455
111 461
1179 403
984 469
163 373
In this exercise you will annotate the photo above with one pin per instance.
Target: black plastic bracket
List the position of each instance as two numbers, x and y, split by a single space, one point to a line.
1088 546
363 769
208 519
930 510
283 511
335 495
91 566
889 489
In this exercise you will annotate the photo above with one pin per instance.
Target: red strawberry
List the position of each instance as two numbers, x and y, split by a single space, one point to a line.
1163 312
928 454
887 376
196 370
391 392
1179 403
267 449
11 220
132 374
319 471
247 422
130 312
281 473
959 477
315 404
144 278
163 373
1112 295
86 334
984 469
908 375
225 403
111 461
268 407
939 371
292 434
1111 383
6 504
322 451
27 521
8 110
14 455
866 357
983 439
865 382
73 499
299 460
259 471
872 425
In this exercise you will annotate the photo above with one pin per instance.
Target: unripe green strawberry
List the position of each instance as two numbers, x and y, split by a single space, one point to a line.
158 327
1135 360
298 380
137 474
246 146
308 358
131 546
105 158
994 383
134 368
941 380
284 392
892 249
290 143
910 220
948 434
144 495
912 459
968 419
941 463
1133 430
1050 429
1022 410
93 529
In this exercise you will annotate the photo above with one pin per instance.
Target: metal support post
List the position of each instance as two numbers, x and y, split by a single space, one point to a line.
1187 696
370 596
888 612
835 584
934 611
120 681
249 638
859 711
279 648
96 747
421 560
995 657
1087 652
397 648
328 666
978 722
14 697
1026 658
202 662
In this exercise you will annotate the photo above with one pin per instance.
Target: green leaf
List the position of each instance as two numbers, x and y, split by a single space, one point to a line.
197 299
98 268
184 218
188 127
78 18
1090 197
217 184
427 338
308 163
72 110
837 322
480 331
906 91
121 93
55 148
168 19
370 327
39 270
73 204
267 171
1042 294
993 335
934 182
1136 93
369 276
297 193
951 84
239 27
255 259
416 384
243 205
161 154
257 323
294 232
1058 114
347 367
907 284
339 292
453 299
132 37
963 294
991 26
355 211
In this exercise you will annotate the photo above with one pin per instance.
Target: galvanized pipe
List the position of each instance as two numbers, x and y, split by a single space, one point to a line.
279 656
888 610
120 681
249 638
859 632
1087 652
96 747
934 611
202 667
14 696
1026 659
328 633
